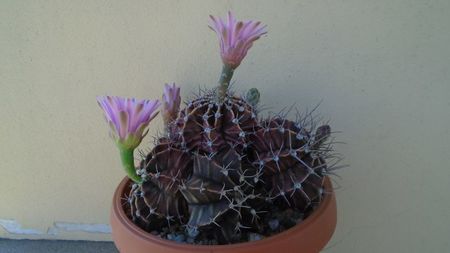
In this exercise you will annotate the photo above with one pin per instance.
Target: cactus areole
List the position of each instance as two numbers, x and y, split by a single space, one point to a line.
222 173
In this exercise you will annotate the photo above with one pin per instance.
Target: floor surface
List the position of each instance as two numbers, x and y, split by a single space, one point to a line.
48 246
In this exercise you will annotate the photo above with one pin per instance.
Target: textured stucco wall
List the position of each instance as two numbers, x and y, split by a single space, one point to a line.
381 68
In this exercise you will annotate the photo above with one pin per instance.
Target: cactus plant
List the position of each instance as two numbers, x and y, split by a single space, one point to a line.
221 173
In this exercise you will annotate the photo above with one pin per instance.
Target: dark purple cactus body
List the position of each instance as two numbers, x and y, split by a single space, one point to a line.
210 191
284 152
163 170
223 171
208 125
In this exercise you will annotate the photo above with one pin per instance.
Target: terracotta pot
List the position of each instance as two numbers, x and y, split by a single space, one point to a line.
310 236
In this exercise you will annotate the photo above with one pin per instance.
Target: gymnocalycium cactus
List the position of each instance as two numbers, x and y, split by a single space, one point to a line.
220 173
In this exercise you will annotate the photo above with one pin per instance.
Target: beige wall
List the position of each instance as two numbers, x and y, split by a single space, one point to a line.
381 68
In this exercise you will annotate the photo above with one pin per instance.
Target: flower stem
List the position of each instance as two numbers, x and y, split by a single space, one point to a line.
224 81
127 157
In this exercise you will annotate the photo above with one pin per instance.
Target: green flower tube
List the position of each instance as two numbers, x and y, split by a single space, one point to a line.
127 158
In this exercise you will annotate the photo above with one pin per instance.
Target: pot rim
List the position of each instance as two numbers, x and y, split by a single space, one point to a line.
143 235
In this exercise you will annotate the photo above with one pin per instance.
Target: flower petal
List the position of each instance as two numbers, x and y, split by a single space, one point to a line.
235 37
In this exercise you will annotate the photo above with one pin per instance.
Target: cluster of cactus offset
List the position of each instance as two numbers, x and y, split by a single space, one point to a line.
221 164
220 168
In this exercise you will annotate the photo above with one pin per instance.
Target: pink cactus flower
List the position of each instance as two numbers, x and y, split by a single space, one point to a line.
128 118
236 38
171 101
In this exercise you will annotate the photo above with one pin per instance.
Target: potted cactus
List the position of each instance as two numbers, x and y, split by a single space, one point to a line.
222 177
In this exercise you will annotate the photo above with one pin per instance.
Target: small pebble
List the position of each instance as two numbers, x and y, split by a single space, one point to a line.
274 224
255 237
180 238
192 232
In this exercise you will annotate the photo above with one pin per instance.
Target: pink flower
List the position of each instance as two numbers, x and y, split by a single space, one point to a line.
170 102
128 118
236 38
